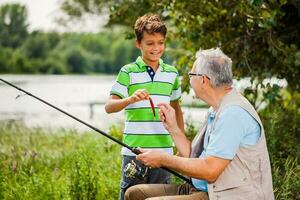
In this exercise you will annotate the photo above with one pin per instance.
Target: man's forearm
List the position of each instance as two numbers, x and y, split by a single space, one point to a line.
182 144
191 167
179 119
179 138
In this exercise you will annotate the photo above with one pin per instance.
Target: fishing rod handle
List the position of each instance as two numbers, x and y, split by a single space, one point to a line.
137 152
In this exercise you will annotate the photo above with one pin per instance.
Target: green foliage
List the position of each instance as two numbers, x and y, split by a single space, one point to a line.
20 64
76 60
260 36
13 25
260 95
286 179
116 131
38 164
190 129
5 57
54 53
52 65
38 44
281 122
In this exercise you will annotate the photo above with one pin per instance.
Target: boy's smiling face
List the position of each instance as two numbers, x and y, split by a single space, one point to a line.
152 47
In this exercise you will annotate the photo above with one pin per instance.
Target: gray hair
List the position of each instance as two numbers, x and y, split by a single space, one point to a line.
215 65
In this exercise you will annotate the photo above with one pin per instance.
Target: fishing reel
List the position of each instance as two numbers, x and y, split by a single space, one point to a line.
133 170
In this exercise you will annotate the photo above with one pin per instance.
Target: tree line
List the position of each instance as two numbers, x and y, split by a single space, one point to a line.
35 52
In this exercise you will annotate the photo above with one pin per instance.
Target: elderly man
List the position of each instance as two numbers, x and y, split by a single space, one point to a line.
228 158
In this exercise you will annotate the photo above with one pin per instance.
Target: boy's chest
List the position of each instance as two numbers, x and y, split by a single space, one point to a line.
160 83
151 76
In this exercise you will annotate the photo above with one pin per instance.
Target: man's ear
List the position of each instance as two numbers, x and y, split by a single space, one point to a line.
137 43
205 79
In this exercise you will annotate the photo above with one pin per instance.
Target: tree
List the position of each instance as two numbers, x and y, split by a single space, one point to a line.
77 61
260 36
13 25
5 57
39 44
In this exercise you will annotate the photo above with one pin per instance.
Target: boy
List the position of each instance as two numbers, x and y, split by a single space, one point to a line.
148 77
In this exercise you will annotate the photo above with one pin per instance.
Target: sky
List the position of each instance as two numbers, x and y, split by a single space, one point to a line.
42 15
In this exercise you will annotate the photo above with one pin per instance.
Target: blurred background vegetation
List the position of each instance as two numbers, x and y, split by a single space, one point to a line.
261 37
22 52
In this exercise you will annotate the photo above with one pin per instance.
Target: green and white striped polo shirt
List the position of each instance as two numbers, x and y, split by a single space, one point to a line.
142 129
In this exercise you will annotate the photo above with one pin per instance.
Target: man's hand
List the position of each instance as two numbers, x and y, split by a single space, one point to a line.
168 117
139 95
151 158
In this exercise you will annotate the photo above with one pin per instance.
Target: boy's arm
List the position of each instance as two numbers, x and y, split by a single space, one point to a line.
116 104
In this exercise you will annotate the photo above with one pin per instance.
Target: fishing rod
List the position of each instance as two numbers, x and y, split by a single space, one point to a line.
132 149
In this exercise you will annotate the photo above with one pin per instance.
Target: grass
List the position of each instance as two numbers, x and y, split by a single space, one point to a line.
64 164
38 164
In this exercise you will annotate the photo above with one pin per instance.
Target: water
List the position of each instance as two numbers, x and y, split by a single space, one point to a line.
80 95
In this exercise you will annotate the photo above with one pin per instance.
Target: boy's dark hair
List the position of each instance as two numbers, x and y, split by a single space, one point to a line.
150 23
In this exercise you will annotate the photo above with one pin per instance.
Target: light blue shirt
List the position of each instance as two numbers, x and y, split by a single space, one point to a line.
235 128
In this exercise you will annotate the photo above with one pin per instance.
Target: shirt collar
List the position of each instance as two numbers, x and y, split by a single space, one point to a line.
140 62
212 112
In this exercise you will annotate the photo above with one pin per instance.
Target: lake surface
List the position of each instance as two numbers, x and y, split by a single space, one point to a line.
81 95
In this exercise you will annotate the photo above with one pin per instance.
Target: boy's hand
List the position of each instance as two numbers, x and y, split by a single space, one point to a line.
139 95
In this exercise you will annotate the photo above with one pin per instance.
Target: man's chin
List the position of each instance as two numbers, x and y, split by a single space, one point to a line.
199 98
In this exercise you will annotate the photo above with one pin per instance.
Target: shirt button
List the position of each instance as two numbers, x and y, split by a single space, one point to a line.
149 68
151 73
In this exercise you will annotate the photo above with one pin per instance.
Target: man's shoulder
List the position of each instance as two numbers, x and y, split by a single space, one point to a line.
234 110
237 115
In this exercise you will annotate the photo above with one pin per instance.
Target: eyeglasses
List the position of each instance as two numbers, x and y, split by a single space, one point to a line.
196 74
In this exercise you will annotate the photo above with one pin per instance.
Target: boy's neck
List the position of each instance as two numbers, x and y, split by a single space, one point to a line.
154 65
